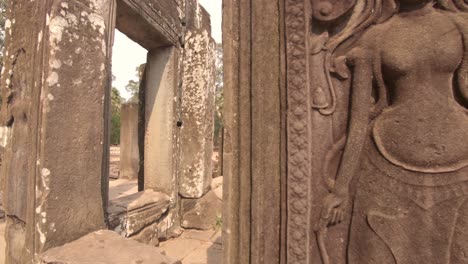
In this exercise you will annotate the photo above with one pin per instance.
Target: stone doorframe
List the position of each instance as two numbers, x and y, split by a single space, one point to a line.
159 112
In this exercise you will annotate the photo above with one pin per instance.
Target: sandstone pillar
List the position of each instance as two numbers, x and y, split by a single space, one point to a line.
160 90
129 151
53 118
196 135
254 143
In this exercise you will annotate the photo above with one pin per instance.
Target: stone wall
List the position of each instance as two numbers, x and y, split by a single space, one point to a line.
197 109
129 151
254 143
54 122
54 113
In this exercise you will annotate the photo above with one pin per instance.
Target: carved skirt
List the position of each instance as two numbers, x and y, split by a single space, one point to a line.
406 217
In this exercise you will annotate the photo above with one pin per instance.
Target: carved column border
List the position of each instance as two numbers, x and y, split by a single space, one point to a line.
298 155
254 131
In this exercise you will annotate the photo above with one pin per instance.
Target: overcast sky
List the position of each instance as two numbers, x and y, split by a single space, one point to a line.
127 55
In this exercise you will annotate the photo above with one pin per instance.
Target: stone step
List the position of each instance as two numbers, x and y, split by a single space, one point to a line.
104 247
129 215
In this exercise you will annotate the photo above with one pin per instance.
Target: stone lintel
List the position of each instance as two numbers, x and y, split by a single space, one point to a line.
152 24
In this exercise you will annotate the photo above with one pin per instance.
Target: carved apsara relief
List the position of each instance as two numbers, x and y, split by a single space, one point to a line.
377 131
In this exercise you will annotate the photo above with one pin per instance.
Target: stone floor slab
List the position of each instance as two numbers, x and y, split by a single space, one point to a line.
196 247
204 236
105 247
2 243
122 187
130 214
217 238
208 253
179 248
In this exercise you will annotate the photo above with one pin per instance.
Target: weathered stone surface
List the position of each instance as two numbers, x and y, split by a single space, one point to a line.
2 211
54 119
114 162
161 132
201 213
152 24
254 143
160 89
129 151
219 192
53 123
195 247
148 235
196 135
104 247
217 182
130 214
217 187
120 188
206 253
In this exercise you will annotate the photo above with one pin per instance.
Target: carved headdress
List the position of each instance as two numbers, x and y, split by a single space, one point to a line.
370 12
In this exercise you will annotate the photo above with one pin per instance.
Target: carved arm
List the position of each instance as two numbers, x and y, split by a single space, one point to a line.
360 61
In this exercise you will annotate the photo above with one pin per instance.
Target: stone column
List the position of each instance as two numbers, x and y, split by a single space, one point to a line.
254 144
55 80
196 135
129 151
160 139
160 90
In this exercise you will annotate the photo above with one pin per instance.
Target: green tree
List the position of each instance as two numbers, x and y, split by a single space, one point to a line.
116 100
133 86
219 94
3 4
116 104
2 27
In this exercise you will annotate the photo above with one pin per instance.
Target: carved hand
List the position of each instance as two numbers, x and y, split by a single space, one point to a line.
333 210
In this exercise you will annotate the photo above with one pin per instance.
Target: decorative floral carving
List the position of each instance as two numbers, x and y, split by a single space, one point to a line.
298 133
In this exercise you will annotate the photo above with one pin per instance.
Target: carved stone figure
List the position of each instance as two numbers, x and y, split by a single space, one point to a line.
404 168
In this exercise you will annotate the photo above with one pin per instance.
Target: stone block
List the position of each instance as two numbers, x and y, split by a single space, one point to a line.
151 23
196 134
217 182
178 249
129 152
160 124
201 213
206 253
148 235
219 192
104 247
54 123
130 214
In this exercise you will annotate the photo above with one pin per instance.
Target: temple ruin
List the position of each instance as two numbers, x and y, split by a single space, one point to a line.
55 128
345 131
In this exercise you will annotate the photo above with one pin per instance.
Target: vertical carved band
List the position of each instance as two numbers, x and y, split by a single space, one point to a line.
298 235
